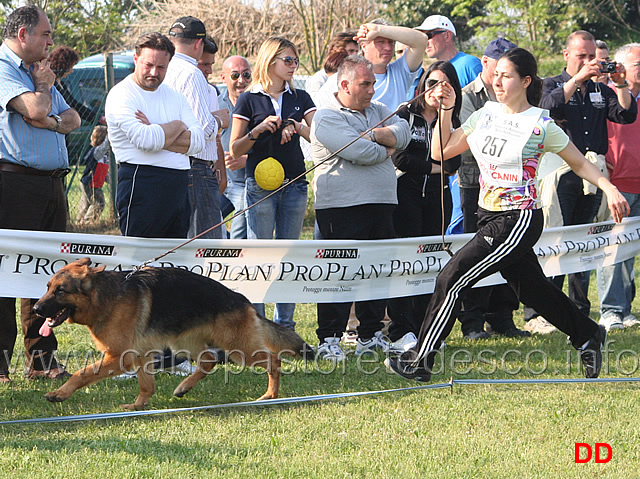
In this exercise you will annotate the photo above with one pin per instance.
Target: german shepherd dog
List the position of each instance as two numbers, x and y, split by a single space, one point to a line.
131 316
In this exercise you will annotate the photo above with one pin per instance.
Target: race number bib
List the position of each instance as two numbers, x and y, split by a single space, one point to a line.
497 143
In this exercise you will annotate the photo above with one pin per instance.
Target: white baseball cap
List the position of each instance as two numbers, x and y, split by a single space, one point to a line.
437 22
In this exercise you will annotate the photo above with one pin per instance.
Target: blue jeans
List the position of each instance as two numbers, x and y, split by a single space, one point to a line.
204 197
616 286
282 214
235 194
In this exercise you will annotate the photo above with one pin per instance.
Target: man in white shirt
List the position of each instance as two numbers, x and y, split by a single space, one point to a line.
152 131
189 36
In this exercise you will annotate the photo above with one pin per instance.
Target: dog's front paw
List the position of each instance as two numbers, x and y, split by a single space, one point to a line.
55 396
134 407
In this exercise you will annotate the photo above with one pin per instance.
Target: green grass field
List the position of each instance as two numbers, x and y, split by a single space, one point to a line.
510 431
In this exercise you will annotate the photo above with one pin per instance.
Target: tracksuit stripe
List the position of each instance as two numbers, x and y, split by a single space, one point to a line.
445 311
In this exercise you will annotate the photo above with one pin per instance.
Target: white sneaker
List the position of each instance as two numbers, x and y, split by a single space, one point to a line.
630 320
539 325
405 343
611 321
350 337
376 343
330 350
126 375
185 368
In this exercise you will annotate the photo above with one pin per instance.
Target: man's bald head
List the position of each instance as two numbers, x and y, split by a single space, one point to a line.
236 74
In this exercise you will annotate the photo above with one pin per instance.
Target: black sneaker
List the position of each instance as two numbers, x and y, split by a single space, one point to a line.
403 367
591 353
513 333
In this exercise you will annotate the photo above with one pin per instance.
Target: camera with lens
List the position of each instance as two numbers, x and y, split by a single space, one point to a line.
607 67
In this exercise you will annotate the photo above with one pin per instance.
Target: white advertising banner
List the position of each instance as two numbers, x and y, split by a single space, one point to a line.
302 271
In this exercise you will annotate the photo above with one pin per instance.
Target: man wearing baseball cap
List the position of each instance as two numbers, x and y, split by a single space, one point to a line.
440 46
189 36
494 304
440 34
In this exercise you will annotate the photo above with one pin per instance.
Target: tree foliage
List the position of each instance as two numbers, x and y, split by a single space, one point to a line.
88 26
240 28
539 25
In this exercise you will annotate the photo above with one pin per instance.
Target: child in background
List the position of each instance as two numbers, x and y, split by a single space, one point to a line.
95 173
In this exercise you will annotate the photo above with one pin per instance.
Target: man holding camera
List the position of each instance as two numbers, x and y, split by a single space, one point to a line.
582 107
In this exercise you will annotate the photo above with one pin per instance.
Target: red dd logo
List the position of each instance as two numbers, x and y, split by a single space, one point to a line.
589 452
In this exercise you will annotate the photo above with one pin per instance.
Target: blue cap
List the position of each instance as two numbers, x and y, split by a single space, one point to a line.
498 47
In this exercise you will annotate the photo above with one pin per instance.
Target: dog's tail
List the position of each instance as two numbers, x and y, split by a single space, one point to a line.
284 340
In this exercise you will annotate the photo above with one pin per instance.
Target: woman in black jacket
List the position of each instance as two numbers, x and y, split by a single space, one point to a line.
420 193
421 196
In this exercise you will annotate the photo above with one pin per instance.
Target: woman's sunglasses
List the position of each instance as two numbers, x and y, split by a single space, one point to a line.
431 82
289 61
235 75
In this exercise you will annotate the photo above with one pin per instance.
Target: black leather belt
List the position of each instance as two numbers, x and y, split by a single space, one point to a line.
203 162
25 170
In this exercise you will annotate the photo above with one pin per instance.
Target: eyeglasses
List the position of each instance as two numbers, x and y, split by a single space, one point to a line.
433 33
235 75
289 61
431 82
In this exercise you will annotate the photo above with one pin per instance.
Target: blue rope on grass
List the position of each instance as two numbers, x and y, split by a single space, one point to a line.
319 397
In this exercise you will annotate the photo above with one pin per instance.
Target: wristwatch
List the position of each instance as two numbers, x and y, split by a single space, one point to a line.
250 136
58 121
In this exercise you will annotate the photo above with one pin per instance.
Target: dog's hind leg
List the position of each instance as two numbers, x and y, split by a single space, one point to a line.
271 362
206 363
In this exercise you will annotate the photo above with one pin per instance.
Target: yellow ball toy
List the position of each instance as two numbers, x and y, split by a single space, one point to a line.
269 174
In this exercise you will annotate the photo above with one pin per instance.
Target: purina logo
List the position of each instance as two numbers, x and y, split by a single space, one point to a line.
349 253
91 249
596 230
218 252
432 247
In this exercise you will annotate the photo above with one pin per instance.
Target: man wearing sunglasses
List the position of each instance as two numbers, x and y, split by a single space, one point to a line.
441 35
393 80
236 74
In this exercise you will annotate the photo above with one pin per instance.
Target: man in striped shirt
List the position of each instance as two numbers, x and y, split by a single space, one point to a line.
189 36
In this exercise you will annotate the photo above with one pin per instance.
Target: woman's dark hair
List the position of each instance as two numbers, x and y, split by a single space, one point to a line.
334 60
62 60
340 41
448 69
526 66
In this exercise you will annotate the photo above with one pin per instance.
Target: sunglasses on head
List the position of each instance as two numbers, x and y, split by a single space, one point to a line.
433 33
289 60
235 75
431 82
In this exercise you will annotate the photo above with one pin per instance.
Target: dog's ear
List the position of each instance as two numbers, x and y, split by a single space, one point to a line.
99 269
86 261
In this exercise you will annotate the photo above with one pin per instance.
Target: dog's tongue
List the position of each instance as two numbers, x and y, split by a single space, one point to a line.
45 329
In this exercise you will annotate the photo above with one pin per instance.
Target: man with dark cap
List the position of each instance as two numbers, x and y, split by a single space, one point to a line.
189 36
494 304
